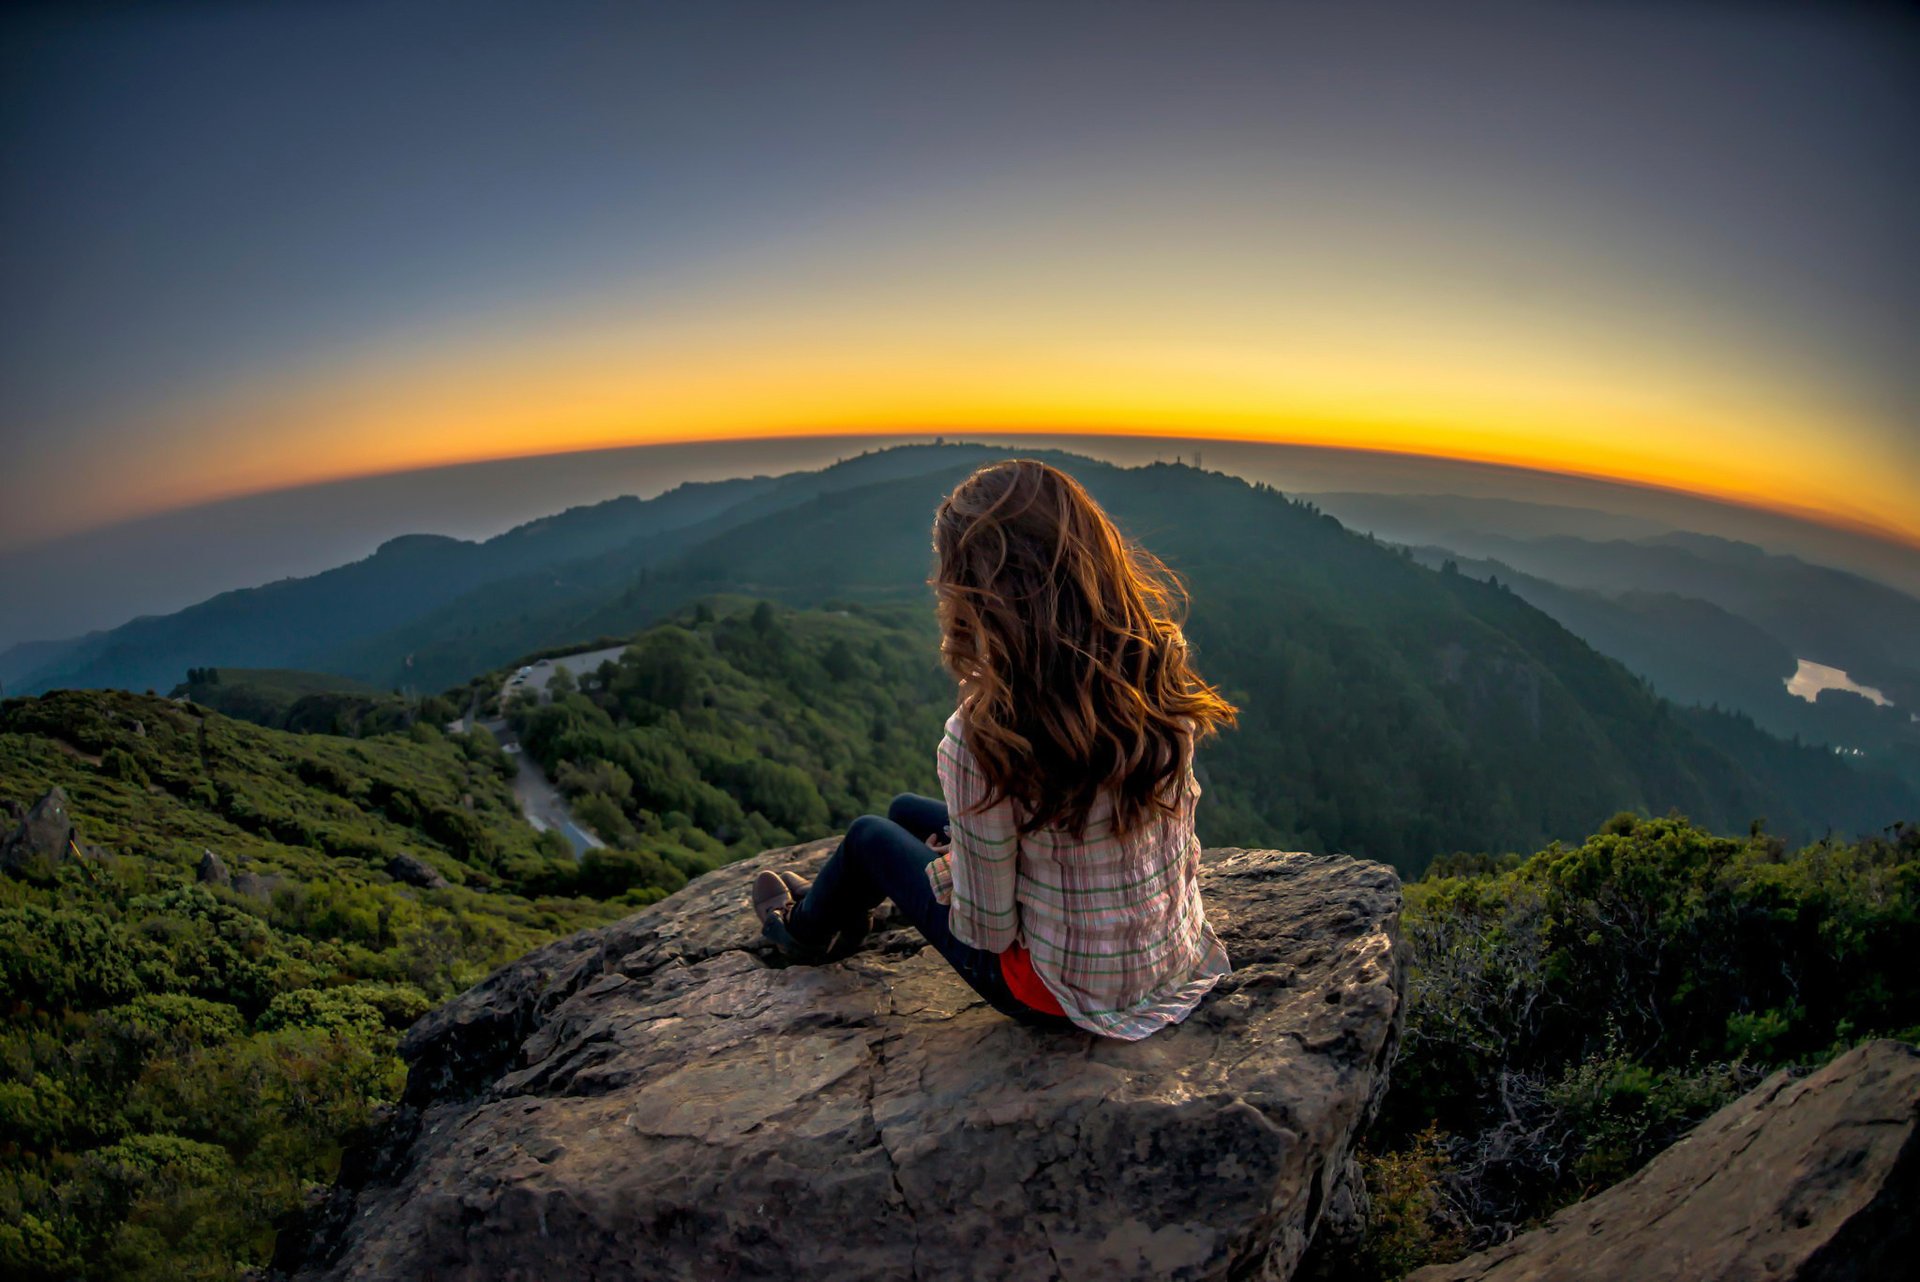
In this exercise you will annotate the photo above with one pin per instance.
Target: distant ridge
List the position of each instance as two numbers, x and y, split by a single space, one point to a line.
1389 710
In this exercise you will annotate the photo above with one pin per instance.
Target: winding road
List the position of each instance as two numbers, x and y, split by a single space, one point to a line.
540 801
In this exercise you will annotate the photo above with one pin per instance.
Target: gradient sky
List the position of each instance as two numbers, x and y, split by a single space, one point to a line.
249 246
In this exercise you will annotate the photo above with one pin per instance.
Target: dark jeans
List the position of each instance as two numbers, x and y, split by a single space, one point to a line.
887 859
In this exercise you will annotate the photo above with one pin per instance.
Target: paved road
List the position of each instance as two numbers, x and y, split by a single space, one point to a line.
540 801
579 664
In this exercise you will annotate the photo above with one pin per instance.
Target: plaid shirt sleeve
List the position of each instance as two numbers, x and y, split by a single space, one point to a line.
940 875
982 867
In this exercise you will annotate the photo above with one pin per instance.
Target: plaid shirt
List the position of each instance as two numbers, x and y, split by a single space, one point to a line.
1115 929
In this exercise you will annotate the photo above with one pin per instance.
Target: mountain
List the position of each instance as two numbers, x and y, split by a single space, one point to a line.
1823 615
1390 710
428 611
1434 518
297 623
1695 652
609 594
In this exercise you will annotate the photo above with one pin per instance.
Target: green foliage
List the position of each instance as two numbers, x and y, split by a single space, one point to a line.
314 702
1574 1013
181 1062
722 733
1406 1217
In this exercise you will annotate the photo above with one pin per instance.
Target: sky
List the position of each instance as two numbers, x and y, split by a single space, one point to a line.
247 247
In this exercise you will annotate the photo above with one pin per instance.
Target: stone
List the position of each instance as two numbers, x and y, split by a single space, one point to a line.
257 885
42 838
1814 1179
663 1099
416 871
212 870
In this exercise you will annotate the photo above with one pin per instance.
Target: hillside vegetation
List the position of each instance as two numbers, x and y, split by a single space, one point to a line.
1388 710
1392 710
309 702
1695 652
1572 1014
736 728
181 1058
188 1048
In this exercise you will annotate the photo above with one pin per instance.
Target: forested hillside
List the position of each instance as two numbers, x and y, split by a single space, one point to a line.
1389 710
302 623
206 986
738 727
430 611
313 702
1698 653
1572 1014
204 991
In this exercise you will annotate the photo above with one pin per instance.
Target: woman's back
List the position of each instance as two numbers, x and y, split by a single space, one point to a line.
1114 926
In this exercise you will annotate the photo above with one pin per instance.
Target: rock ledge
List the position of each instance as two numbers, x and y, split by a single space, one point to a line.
1815 1178
661 1099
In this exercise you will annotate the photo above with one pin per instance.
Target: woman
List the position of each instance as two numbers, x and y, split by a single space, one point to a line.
1059 877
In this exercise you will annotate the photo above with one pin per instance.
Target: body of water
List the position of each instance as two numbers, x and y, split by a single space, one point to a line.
1811 678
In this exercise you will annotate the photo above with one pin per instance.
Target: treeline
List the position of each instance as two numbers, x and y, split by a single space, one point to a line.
1572 1014
311 702
203 996
737 727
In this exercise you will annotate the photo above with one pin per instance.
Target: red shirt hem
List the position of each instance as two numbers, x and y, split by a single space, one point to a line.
1016 967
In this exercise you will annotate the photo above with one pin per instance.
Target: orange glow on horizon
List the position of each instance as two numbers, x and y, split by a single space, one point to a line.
1411 349
963 432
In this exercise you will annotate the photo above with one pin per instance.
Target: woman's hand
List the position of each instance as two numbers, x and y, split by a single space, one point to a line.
939 840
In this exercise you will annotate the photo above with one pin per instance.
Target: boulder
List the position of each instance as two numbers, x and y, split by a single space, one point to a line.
416 871
662 1099
42 838
256 885
212 870
1810 1178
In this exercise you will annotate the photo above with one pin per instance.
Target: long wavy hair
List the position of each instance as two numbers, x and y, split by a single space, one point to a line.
1066 639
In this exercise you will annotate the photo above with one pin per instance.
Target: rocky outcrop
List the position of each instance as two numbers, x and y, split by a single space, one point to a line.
1816 1179
660 1099
256 885
416 871
212 870
42 838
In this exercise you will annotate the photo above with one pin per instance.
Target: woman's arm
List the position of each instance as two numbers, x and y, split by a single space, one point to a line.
982 866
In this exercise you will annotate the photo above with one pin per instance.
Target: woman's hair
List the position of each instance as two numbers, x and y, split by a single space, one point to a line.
1064 637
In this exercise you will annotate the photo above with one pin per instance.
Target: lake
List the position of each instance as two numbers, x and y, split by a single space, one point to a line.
1811 678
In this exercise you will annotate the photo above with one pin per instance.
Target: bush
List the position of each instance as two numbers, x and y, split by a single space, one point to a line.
1715 960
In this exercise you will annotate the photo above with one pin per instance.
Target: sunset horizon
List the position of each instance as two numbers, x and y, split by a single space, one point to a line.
1905 537
1303 228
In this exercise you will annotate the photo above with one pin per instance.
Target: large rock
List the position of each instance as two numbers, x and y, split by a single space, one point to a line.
212 870
659 1099
1811 1179
42 838
416 871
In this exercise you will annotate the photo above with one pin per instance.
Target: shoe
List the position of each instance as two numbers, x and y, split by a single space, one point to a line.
773 900
771 894
776 894
798 886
